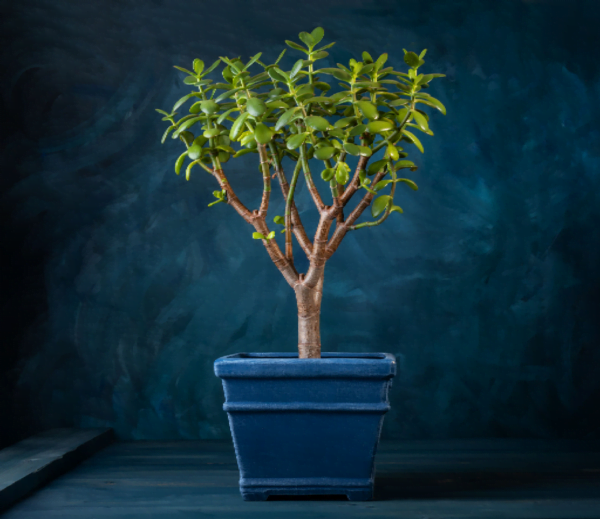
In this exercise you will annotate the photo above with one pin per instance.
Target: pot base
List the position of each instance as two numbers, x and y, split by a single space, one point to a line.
259 489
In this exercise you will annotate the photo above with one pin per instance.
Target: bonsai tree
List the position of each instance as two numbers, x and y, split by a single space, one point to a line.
352 137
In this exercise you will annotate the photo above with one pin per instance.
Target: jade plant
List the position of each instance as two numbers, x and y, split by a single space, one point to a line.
346 136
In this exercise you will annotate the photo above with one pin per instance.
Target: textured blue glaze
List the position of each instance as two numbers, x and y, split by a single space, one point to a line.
120 287
320 439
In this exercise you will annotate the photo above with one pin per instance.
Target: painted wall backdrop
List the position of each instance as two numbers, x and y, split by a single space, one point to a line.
120 286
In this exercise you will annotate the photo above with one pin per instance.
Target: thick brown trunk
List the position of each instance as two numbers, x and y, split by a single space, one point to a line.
309 312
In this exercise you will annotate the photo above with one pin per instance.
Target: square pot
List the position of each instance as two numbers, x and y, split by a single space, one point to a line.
306 426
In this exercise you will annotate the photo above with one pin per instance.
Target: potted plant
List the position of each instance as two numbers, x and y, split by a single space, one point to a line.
306 423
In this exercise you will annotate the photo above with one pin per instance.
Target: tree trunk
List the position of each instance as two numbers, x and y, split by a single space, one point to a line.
309 313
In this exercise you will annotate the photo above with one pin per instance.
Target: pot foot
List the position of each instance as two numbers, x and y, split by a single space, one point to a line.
360 495
255 496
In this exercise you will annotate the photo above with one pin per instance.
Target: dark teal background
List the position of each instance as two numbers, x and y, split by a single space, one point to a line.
120 287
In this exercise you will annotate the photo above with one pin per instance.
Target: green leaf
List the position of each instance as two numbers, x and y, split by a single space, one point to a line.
256 106
420 120
167 131
227 95
391 152
358 130
381 184
376 167
188 137
342 173
274 74
198 66
224 115
405 164
337 73
224 156
280 220
337 133
262 133
237 126
327 174
379 205
194 151
342 123
212 132
212 67
411 59
295 46
258 236
189 169
381 61
366 57
353 149
414 139
179 162
280 56
181 101
195 108
368 109
186 124
306 39
400 102
242 152
329 45
184 70
248 139
317 35
209 107
227 74
410 183
271 235
253 60
426 78
396 209
324 153
295 141
423 52
342 75
296 68
285 118
380 126
318 99
404 113
433 103
317 123
319 55
190 80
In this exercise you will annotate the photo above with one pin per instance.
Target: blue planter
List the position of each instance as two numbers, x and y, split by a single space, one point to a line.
306 426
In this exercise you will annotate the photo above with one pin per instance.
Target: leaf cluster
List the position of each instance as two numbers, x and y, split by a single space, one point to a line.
327 114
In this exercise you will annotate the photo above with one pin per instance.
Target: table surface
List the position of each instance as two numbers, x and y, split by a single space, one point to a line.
415 479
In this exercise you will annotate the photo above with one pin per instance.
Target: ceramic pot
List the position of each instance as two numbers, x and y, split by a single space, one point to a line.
306 426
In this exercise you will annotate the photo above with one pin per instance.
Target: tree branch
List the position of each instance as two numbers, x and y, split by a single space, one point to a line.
319 256
355 182
309 181
232 198
286 268
296 223
264 164
258 222
342 229
289 253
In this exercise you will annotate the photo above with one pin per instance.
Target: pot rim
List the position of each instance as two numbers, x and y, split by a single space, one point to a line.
287 365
